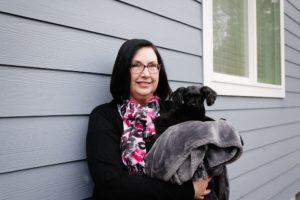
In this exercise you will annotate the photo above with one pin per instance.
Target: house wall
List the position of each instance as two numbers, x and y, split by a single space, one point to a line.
56 59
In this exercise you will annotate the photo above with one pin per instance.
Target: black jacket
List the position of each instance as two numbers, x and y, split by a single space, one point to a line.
107 170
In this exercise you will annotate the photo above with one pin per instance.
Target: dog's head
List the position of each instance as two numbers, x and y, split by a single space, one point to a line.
194 97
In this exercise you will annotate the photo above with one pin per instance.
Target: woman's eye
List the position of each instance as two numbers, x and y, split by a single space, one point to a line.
152 66
135 65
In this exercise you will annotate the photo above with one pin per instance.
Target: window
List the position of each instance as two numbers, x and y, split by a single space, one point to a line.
243 47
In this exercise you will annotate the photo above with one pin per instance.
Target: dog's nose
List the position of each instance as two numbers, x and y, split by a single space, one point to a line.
192 103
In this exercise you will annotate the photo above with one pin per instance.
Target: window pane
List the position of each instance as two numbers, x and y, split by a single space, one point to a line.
268 41
230 37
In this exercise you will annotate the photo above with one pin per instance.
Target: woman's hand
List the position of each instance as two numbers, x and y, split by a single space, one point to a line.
200 186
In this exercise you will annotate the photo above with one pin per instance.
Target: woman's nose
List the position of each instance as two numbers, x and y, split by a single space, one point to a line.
145 72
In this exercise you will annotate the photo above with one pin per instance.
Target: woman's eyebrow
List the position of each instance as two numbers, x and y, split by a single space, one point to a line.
137 61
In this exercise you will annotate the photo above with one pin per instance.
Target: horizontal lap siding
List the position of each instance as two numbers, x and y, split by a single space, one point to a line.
173 10
265 181
252 119
36 44
30 142
272 152
292 188
111 18
36 92
55 65
67 181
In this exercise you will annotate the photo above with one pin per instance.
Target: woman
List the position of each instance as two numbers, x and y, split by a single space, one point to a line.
116 140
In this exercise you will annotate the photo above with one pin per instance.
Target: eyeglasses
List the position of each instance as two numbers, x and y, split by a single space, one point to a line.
139 68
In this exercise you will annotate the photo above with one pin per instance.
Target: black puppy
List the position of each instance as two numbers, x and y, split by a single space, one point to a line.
187 104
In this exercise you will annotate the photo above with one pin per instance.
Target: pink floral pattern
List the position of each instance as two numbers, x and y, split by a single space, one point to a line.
138 127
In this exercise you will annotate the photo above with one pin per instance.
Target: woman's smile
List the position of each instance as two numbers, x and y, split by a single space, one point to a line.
144 83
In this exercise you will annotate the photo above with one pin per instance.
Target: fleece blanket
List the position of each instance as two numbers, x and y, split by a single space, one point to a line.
192 150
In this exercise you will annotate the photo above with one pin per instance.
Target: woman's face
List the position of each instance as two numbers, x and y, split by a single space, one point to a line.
143 84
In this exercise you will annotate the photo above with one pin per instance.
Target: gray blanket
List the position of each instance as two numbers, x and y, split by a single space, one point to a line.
193 148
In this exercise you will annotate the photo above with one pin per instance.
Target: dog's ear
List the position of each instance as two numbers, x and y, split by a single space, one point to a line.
177 96
209 94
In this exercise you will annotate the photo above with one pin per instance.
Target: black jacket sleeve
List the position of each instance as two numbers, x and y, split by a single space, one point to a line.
110 177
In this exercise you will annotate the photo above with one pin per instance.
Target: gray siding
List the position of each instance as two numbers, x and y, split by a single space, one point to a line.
56 59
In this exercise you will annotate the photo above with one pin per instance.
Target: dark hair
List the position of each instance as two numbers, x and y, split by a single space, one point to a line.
120 79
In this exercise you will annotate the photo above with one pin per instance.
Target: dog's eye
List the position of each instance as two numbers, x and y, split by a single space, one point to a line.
190 96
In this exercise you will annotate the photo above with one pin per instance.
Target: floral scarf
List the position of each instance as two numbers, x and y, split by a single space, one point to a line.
138 127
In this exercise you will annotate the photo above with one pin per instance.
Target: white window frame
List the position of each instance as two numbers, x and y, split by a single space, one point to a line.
235 85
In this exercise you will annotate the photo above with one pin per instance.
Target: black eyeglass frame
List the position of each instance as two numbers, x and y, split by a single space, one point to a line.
138 68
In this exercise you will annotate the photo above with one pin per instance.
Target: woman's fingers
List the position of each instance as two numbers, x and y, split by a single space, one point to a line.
200 187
